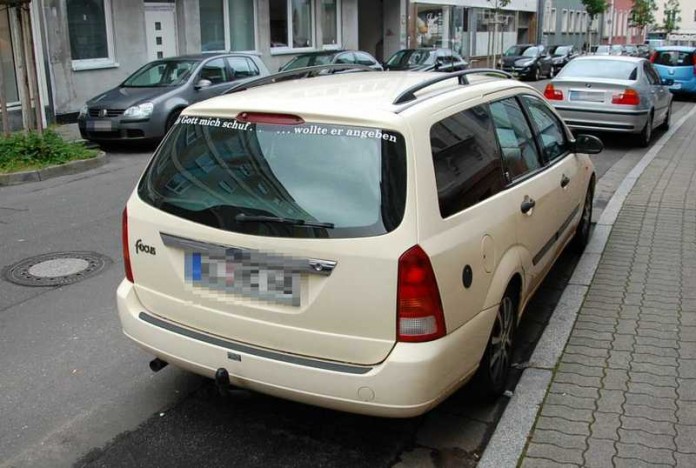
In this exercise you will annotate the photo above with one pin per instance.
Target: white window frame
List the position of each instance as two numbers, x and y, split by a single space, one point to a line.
313 32
578 21
226 27
339 29
564 21
97 63
553 20
571 21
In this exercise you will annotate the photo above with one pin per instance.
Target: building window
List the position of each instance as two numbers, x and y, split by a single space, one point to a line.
7 60
330 23
564 21
90 32
552 20
227 25
291 24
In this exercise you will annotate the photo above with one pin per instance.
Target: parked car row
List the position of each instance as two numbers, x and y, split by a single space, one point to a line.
147 103
532 61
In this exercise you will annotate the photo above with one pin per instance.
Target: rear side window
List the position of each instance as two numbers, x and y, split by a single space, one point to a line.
520 155
674 58
466 160
302 181
242 67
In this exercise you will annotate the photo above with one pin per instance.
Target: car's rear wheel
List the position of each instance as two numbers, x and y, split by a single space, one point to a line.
552 72
496 363
582 232
646 133
537 74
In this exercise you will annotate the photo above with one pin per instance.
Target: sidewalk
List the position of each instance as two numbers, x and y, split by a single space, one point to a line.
624 392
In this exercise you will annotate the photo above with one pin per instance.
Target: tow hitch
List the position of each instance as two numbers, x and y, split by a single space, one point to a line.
222 382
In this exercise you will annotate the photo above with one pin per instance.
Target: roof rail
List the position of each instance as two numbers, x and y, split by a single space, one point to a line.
305 72
410 93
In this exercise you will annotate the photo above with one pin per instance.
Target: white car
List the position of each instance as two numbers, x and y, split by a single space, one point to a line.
361 241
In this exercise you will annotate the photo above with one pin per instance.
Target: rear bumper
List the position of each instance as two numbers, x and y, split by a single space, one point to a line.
683 87
604 121
413 378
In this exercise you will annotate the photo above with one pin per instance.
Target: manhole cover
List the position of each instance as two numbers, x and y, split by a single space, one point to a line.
56 269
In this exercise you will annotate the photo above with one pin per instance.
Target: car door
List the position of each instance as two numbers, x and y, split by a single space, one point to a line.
529 188
218 73
563 167
660 94
545 61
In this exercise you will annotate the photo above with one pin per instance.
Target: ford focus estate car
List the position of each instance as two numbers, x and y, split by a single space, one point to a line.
365 242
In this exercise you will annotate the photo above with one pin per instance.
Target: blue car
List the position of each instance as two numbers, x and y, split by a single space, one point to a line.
677 63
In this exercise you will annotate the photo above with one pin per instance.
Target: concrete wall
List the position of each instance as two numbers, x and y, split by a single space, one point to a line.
188 22
393 27
556 36
71 88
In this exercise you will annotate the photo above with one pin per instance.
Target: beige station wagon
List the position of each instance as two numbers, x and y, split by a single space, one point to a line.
361 241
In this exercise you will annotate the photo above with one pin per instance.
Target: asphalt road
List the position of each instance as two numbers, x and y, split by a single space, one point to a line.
74 390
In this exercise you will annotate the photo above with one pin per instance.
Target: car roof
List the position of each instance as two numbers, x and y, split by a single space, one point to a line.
622 58
350 95
323 52
206 55
675 48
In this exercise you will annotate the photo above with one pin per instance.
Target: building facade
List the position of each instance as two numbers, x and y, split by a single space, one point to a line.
616 25
565 22
685 34
469 26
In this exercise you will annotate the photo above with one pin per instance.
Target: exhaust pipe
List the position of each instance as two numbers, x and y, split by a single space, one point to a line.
157 365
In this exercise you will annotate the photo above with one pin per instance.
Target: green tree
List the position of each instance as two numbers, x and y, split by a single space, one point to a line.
643 13
593 8
672 16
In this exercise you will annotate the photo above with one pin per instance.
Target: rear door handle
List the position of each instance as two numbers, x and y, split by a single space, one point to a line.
564 181
527 205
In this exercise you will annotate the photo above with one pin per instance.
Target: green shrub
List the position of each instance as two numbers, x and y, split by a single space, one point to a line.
26 151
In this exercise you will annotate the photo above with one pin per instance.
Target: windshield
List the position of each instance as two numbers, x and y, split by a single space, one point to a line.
673 58
307 61
516 50
531 52
162 73
562 50
408 58
631 49
617 49
308 180
602 49
609 69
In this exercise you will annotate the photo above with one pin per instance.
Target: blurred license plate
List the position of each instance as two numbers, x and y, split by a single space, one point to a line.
246 278
675 86
100 125
589 96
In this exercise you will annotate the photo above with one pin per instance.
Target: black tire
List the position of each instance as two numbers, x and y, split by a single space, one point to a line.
537 74
646 133
582 232
493 371
552 72
171 119
668 119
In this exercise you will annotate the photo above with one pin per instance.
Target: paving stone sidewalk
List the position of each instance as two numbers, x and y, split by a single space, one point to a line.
624 392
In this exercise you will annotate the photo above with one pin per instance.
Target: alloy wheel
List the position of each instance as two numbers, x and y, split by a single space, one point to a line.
501 340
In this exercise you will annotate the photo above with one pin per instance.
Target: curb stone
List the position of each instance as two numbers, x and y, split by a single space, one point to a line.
509 439
72 167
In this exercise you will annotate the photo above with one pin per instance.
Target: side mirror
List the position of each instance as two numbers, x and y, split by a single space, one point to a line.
202 84
588 144
667 81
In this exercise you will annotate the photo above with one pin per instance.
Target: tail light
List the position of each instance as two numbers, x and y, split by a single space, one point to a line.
628 97
693 59
653 57
124 240
272 119
553 94
419 308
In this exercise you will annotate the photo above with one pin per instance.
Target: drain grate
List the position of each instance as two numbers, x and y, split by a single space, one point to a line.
56 269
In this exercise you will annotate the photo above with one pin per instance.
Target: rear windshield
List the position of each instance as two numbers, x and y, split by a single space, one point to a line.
308 61
308 180
608 69
674 58
408 57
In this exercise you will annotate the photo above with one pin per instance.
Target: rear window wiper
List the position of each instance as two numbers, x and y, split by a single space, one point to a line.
243 218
